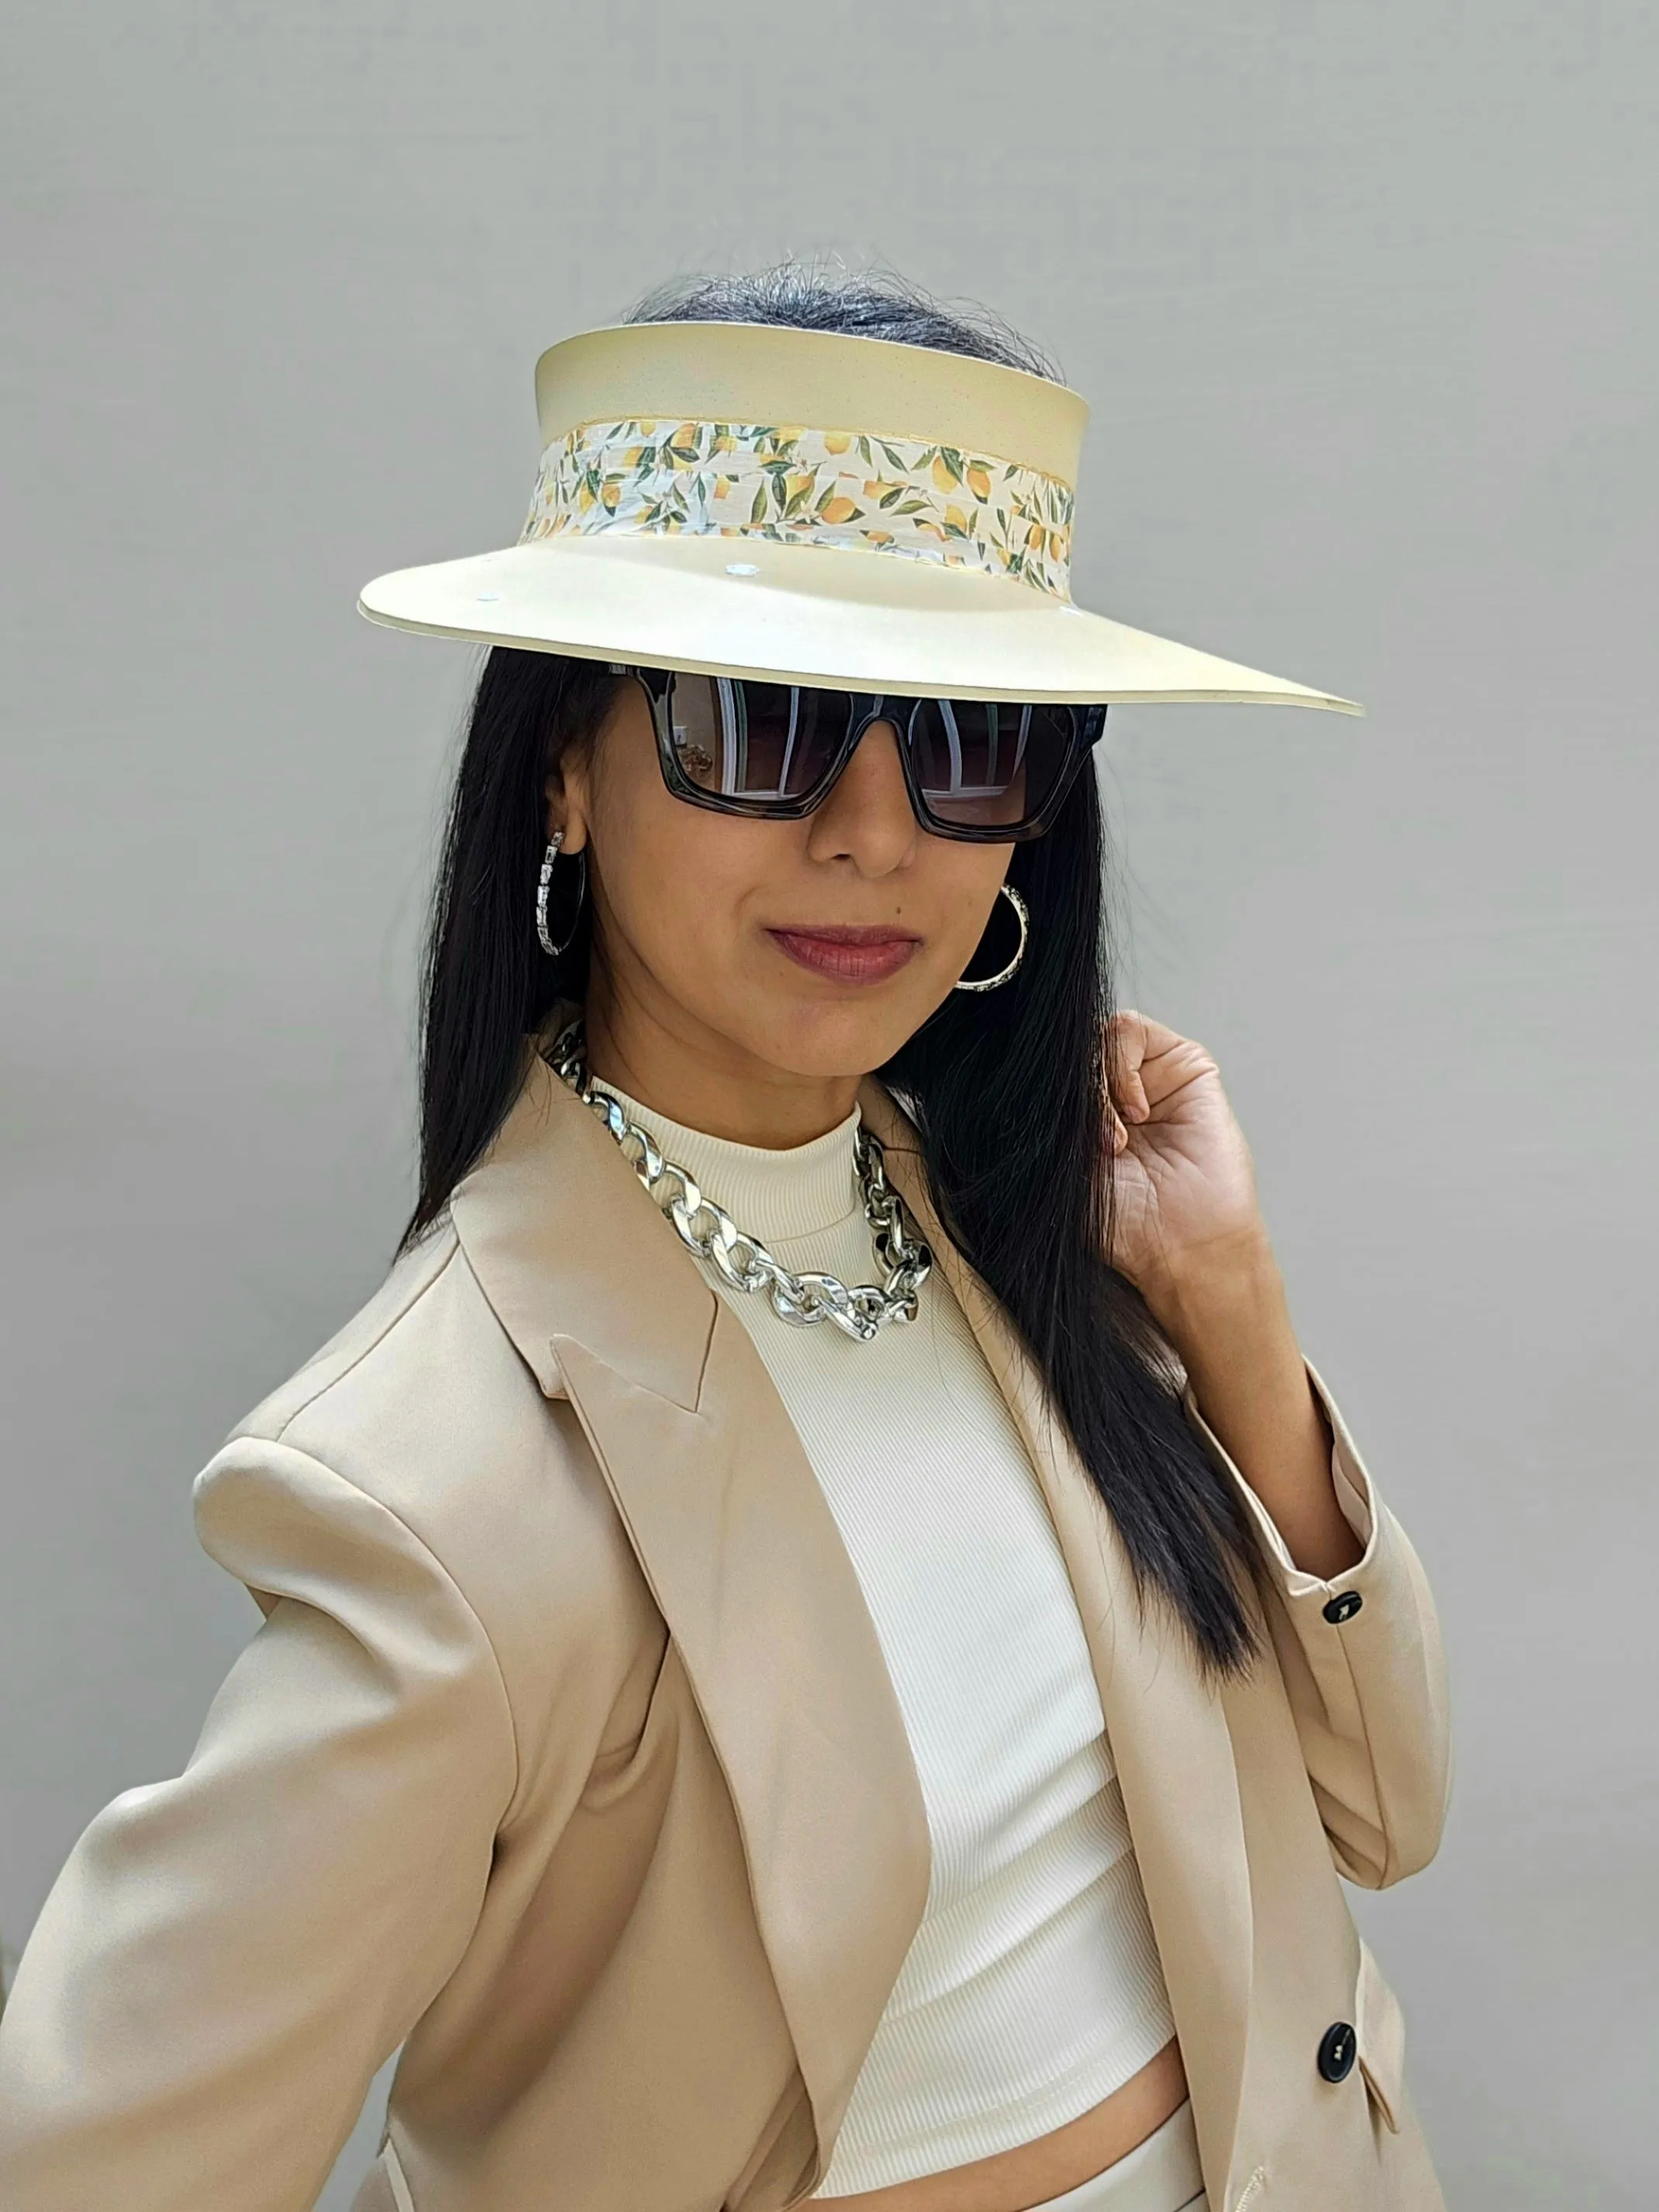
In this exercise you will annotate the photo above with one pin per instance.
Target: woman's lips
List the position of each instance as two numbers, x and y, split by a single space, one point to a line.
851 955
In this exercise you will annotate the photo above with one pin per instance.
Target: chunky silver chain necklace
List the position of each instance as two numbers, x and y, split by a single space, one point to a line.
743 1260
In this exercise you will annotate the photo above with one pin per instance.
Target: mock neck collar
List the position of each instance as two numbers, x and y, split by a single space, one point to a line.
798 1190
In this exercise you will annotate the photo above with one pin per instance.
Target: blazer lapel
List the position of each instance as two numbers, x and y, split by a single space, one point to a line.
741 1553
1167 1728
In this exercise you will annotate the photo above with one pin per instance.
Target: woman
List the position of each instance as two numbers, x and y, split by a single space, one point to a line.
820 1684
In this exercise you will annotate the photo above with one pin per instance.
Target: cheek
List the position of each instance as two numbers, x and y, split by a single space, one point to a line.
671 884
969 878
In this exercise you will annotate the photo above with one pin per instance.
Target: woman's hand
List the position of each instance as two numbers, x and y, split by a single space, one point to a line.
1184 1199
1187 1232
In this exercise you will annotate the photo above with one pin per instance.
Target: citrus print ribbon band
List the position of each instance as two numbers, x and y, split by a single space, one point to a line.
795 486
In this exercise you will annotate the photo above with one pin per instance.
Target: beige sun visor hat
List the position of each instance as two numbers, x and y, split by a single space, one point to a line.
738 499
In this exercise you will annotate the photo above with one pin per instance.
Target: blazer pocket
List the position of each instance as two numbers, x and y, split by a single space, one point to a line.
1380 2028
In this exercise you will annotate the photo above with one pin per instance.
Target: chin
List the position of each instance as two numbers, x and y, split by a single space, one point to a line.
824 1043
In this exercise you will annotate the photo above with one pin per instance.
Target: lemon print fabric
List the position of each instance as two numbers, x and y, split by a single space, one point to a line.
796 485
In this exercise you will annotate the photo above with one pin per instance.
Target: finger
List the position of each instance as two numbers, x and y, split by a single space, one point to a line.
1117 1134
1164 1063
1153 1037
1126 1049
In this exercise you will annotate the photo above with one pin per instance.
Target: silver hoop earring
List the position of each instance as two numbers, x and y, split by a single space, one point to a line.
992 982
551 854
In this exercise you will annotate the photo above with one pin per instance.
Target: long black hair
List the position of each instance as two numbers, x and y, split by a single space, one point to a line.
1007 1088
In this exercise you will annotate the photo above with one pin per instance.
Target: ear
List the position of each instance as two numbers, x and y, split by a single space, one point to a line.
567 786
565 795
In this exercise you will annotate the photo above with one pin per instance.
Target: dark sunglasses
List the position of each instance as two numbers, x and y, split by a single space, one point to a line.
989 772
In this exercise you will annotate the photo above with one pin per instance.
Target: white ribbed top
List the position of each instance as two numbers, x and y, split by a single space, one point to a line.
1033 1987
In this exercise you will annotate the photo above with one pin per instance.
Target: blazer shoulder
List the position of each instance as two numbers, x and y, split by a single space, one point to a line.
422 1404
411 1277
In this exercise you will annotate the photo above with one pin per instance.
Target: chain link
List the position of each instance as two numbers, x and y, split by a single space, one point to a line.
744 1261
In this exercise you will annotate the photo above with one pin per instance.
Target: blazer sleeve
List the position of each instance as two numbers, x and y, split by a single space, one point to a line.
227 1957
1364 1669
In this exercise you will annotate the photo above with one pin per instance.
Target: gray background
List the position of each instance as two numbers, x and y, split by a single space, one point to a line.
1362 301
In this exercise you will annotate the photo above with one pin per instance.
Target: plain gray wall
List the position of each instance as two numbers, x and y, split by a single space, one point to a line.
1363 299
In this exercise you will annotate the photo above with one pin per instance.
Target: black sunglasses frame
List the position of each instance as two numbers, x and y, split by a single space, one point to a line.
657 684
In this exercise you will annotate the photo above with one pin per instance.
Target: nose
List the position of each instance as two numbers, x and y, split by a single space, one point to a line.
867 815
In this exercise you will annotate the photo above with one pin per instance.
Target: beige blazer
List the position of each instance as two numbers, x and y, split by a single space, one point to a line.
566 1757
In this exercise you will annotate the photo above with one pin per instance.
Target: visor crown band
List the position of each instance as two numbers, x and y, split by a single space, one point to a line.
904 496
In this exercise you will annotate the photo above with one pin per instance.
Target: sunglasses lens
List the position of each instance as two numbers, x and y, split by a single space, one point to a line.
989 765
980 765
754 741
